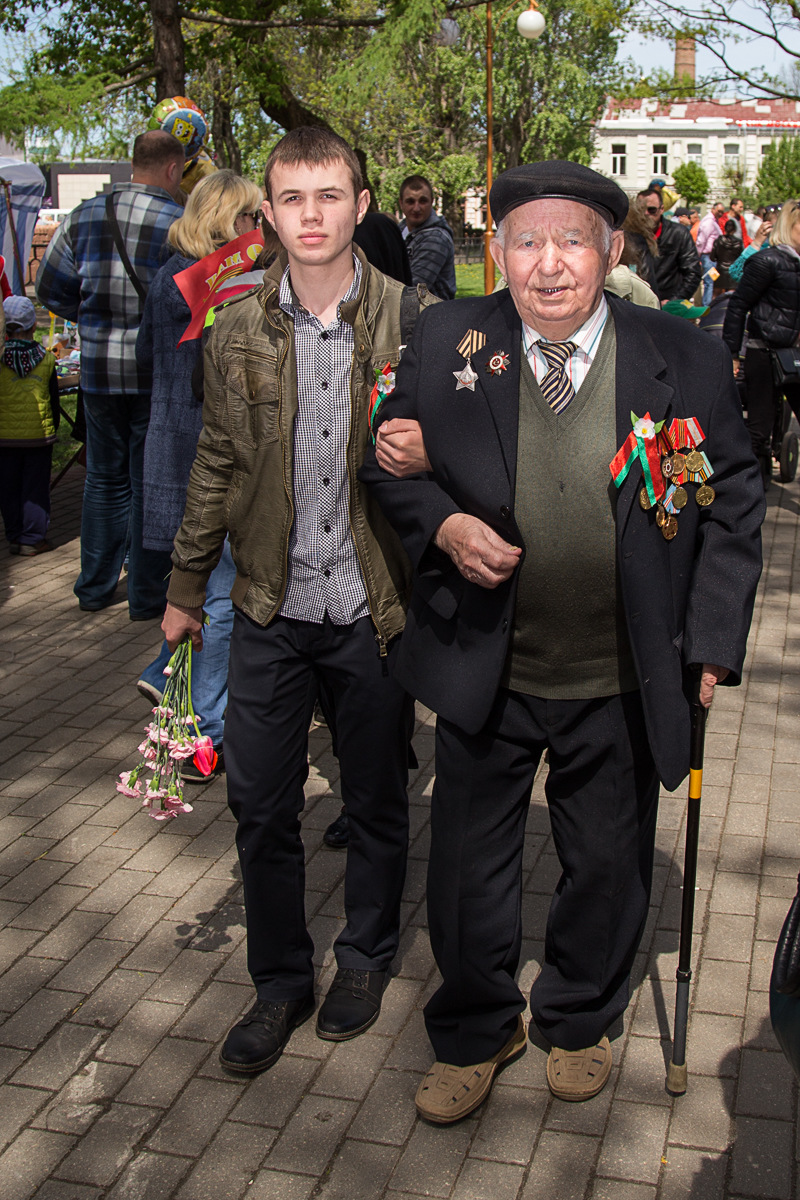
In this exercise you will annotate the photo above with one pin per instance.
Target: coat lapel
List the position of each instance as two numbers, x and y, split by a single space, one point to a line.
641 389
500 391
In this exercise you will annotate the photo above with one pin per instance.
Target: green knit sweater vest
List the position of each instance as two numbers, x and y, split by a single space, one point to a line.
569 640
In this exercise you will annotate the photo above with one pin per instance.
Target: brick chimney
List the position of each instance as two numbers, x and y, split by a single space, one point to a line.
684 58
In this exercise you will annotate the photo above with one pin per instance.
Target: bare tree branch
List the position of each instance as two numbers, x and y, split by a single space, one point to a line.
127 83
312 22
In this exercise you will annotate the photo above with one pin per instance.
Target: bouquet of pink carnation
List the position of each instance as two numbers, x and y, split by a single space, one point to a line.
172 736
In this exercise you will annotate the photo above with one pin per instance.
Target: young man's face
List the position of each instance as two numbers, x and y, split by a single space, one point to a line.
314 211
416 204
737 208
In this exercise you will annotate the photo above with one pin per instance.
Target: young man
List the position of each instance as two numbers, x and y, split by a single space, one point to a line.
319 594
429 239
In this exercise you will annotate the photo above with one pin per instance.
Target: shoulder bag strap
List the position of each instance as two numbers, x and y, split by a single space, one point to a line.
116 233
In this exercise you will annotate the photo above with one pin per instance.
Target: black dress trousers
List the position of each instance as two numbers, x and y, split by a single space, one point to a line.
602 794
274 676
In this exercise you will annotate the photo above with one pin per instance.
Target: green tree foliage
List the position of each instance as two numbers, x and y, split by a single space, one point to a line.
379 75
779 176
692 182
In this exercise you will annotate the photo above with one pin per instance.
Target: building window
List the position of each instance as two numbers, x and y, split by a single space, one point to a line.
619 159
694 153
731 152
660 158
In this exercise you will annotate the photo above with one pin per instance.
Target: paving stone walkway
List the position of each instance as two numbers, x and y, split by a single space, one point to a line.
123 961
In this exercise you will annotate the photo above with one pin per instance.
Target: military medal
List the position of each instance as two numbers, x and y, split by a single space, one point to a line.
472 341
466 378
498 363
669 528
670 458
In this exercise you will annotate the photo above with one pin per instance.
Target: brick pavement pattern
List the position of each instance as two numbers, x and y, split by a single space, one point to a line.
122 952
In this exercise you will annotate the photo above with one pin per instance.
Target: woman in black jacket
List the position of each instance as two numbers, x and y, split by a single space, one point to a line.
769 291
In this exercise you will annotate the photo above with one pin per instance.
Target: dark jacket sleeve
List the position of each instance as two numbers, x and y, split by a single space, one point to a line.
415 506
757 278
727 559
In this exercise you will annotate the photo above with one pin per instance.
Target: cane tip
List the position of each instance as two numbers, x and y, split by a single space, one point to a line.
677 1077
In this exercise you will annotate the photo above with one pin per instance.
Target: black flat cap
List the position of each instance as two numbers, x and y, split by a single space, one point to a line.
558 180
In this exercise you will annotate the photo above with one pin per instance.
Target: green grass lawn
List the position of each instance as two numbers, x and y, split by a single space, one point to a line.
65 446
469 279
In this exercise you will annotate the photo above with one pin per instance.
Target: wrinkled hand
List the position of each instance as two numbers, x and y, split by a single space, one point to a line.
480 554
710 677
400 449
178 621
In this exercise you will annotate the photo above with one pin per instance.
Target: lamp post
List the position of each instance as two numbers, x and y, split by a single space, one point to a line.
530 24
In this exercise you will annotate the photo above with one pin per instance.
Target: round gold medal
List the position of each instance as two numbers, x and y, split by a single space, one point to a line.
705 495
678 463
644 499
661 515
679 497
670 528
694 460
667 468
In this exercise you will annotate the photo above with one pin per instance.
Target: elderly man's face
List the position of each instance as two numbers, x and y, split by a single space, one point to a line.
553 258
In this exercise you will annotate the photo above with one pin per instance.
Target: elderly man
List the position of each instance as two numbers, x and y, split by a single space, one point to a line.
553 610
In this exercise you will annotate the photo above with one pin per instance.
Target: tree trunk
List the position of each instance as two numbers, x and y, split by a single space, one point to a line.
225 143
168 49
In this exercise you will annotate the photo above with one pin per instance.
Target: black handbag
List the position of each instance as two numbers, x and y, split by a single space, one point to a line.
786 964
786 366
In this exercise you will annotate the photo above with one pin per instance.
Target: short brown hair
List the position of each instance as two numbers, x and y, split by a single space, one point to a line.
416 182
154 149
313 146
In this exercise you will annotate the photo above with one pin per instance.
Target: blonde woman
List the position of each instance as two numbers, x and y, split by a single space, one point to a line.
769 291
221 208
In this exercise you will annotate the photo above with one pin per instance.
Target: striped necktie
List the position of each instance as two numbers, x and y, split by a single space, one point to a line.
556 386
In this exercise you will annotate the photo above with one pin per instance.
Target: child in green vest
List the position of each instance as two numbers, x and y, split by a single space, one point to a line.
29 416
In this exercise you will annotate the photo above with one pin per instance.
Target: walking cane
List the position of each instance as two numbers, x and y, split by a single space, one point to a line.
676 1072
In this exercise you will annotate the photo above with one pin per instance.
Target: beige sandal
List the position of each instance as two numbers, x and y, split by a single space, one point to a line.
448 1093
579 1074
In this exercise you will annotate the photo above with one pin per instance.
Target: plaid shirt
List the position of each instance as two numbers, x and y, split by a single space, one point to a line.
82 278
324 572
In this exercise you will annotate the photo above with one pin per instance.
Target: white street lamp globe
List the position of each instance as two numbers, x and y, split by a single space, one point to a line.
530 24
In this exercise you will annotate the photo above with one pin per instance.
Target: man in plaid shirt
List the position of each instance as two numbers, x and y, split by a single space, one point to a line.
82 277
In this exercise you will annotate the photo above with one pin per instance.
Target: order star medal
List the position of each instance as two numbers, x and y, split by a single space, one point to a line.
472 341
466 378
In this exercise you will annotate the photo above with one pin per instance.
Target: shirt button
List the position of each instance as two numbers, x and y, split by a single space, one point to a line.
505 512
324 384
326 433
326 528
326 574
326 481
323 336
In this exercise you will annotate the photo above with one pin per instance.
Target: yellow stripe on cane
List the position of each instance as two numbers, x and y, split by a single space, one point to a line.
695 783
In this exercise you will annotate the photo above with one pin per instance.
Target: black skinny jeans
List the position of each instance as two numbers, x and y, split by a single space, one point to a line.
763 398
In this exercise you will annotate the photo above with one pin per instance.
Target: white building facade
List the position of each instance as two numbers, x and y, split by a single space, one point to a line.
639 140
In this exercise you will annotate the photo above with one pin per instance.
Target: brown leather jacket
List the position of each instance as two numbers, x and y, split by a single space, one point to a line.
241 481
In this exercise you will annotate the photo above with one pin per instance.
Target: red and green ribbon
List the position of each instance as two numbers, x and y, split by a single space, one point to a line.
641 445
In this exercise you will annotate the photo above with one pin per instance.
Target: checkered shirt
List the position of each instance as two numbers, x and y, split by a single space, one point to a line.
324 572
82 278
